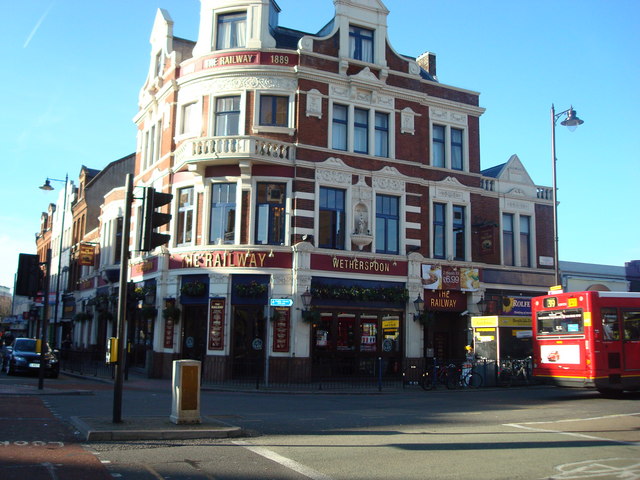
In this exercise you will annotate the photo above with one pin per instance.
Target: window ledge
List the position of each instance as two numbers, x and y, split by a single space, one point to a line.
269 129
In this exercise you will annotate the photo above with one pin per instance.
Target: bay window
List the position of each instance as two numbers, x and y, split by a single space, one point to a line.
184 224
223 213
274 110
270 213
227 116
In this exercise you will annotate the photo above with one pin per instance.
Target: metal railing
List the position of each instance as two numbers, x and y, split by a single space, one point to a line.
86 363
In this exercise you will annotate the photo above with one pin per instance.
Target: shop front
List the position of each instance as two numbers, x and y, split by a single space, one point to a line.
448 294
357 328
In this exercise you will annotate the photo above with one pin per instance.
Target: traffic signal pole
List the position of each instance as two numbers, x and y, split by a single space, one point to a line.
122 301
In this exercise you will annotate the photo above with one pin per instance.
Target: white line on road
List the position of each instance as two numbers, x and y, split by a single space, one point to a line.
284 461
526 426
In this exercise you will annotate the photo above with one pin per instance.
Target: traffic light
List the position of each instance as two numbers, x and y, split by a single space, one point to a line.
29 278
151 219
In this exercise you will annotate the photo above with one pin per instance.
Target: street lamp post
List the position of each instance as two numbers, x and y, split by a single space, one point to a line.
571 122
47 186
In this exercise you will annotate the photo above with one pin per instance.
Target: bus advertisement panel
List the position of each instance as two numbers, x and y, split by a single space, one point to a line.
587 339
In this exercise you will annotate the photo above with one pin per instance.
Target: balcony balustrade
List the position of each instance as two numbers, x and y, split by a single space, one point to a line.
211 150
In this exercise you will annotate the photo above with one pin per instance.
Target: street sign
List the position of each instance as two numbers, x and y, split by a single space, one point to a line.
280 302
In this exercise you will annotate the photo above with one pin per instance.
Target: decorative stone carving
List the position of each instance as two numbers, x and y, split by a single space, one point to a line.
407 121
361 219
448 116
332 177
314 103
251 83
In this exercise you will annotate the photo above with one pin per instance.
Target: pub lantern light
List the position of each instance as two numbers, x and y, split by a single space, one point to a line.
418 304
306 299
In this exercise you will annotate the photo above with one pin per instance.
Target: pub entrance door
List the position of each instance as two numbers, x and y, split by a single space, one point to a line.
194 332
248 341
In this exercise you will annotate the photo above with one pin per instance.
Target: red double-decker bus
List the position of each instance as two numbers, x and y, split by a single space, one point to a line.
587 339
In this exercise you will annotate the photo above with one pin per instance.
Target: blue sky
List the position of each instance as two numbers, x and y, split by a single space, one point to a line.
72 70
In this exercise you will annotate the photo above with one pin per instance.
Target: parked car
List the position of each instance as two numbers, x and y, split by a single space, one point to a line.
23 358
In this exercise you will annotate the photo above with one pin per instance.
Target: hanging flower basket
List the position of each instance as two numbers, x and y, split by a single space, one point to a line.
149 311
105 316
251 290
139 293
82 316
310 316
171 312
193 289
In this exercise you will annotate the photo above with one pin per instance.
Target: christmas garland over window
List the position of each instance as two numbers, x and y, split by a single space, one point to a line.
363 294
251 290
193 289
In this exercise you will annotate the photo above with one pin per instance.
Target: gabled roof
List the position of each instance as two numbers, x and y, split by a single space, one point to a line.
493 172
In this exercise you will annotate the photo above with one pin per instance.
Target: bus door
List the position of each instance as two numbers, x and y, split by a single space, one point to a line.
631 341
611 354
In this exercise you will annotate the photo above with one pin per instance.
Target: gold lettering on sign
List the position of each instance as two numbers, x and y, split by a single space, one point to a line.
229 60
362 265
223 259
443 300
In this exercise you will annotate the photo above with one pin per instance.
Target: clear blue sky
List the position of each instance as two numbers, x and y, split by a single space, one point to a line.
72 70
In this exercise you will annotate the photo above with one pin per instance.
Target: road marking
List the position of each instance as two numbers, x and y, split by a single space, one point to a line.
606 467
284 461
51 469
526 426
35 443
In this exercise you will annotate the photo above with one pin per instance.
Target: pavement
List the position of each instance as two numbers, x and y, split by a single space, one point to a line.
132 428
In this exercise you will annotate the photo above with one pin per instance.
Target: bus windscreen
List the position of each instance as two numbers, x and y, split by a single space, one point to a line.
560 322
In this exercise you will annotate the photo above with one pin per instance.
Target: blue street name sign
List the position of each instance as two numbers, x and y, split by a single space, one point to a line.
280 302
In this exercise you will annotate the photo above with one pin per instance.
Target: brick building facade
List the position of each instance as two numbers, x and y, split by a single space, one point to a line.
325 163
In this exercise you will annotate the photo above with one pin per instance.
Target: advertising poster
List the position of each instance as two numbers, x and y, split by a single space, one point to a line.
561 354
444 277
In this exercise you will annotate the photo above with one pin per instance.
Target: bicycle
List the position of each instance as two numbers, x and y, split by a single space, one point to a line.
437 374
514 370
465 376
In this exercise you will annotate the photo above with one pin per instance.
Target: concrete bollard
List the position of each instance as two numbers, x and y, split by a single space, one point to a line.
186 392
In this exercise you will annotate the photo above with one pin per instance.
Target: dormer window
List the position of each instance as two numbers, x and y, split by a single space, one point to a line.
231 31
361 44
158 64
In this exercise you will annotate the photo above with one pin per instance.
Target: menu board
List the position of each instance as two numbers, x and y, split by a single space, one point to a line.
216 324
281 329
169 325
